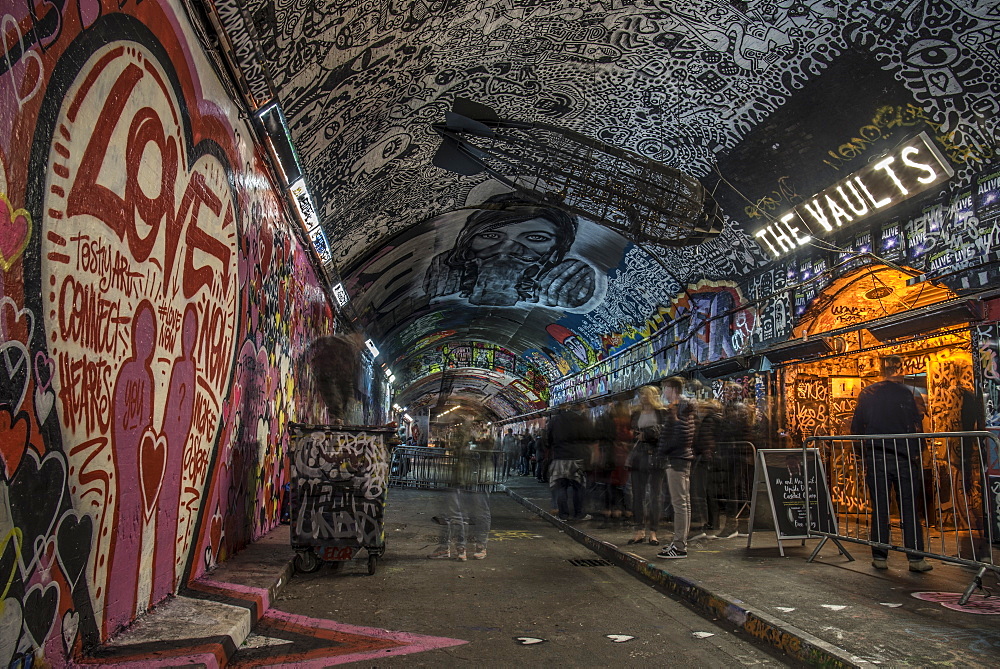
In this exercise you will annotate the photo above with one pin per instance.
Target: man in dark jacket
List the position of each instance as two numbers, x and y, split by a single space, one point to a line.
569 435
675 451
704 504
889 407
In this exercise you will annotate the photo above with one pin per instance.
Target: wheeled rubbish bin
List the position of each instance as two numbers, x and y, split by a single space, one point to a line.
339 479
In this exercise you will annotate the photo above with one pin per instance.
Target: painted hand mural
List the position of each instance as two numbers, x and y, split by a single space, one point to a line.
512 251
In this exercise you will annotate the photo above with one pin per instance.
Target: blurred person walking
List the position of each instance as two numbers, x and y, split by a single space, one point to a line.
646 476
734 459
610 476
527 452
511 447
570 434
674 451
463 506
704 503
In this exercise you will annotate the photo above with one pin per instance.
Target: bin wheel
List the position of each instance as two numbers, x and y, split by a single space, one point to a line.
306 562
372 562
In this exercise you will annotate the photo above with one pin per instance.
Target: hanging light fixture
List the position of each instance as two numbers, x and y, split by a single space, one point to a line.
640 198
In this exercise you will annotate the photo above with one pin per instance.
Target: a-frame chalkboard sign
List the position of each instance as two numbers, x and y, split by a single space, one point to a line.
782 471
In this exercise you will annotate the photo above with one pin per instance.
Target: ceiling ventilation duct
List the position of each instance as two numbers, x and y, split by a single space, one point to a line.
640 198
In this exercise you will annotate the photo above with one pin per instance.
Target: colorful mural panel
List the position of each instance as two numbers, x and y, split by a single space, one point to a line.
155 308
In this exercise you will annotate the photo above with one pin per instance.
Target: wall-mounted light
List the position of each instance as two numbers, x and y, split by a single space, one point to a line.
371 348
272 121
340 294
392 378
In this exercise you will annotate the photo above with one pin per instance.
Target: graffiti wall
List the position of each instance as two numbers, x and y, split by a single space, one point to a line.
155 305
989 368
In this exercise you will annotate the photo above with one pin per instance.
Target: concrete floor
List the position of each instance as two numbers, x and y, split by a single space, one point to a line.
526 587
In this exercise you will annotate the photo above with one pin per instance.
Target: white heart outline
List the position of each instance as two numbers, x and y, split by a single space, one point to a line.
90 549
6 301
70 629
16 343
7 18
12 369
44 402
37 560
11 609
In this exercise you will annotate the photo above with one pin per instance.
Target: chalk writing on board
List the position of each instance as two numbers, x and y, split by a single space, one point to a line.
787 488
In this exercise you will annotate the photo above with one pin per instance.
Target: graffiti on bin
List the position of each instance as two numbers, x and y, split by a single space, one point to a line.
339 486
357 458
324 512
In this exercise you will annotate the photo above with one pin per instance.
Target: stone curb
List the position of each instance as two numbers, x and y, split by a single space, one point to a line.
247 604
765 628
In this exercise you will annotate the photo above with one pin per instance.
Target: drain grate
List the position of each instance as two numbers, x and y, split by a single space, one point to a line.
590 562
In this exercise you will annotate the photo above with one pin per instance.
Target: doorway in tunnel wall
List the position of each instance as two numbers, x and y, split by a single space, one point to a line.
820 397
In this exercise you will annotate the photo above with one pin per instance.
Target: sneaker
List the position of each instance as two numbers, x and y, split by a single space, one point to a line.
480 553
727 534
920 565
460 555
440 554
880 564
586 516
695 537
671 552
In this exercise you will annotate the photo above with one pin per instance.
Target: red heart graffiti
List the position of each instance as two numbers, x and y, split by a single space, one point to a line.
215 534
152 463
15 230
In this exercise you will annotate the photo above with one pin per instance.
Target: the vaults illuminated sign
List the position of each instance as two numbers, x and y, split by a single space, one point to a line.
909 169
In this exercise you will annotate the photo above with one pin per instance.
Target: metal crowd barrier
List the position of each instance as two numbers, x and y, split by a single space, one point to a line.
724 488
946 500
732 473
444 469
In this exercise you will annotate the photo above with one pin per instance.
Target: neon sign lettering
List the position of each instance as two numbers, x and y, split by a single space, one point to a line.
911 168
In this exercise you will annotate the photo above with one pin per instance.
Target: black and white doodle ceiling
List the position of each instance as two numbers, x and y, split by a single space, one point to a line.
690 84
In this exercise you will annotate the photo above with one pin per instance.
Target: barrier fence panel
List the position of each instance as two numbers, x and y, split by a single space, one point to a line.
926 495
732 479
440 469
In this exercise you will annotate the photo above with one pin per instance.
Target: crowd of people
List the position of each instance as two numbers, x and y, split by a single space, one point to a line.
680 455
671 457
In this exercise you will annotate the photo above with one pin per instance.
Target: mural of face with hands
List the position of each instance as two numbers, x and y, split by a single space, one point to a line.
513 251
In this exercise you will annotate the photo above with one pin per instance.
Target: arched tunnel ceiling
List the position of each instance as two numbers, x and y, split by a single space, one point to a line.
705 86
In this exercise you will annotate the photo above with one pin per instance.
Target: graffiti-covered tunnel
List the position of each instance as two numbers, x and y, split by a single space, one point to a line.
220 218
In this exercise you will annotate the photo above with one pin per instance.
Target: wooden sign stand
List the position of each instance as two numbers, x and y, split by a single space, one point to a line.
781 471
